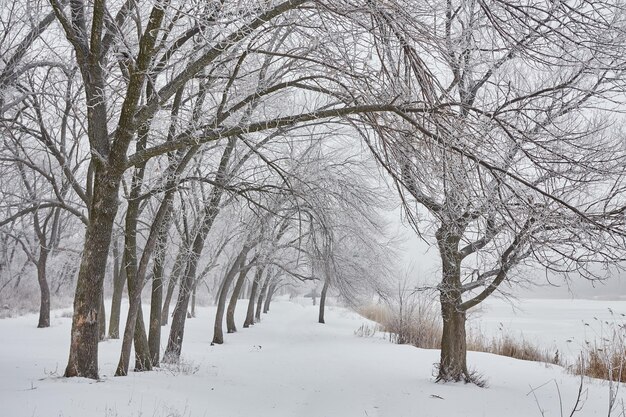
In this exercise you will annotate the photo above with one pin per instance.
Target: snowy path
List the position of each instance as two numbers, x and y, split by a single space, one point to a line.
288 365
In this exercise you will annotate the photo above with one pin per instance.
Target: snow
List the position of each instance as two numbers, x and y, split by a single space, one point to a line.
565 324
287 365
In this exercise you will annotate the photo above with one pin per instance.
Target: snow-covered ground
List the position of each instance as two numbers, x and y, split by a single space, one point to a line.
565 324
287 365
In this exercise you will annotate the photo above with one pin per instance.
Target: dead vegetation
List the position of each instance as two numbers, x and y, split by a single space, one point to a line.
421 327
605 357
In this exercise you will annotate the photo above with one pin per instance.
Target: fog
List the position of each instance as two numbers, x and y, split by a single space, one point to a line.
422 264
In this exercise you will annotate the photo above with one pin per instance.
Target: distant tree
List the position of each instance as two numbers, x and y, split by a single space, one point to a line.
41 160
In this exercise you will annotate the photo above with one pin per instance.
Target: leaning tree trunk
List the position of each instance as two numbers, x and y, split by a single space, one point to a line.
134 330
231 327
175 274
253 295
323 300
238 264
268 298
262 293
44 289
137 272
143 360
453 362
177 330
119 282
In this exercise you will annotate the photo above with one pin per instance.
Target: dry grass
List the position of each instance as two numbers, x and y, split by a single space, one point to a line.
606 357
602 365
518 348
421 326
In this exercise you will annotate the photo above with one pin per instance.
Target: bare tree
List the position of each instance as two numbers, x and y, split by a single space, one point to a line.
99 36
518 164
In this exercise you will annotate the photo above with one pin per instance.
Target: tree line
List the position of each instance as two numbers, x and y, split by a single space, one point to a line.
163 142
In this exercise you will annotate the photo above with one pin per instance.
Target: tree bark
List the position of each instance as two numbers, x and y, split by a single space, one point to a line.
259 304
268 298
453 361
192 314
177 330
83 357
253 296
119 282
231 327
102 320
134 329
154 336
44 289
323 300
175 274
238 265
143 360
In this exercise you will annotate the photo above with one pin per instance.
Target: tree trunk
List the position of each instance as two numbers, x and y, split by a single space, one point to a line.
119 282
253 295
154 336
238 264
268 298
453 362
102 320
83 357
177 270
143 359
136 272
109 162
177 330
244 290
262 293
193 300
231 327
134 329
212 209
323 300
44 289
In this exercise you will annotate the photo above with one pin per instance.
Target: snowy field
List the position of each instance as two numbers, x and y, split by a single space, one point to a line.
288 365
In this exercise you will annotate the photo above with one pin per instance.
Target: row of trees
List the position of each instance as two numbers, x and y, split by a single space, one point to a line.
228 133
